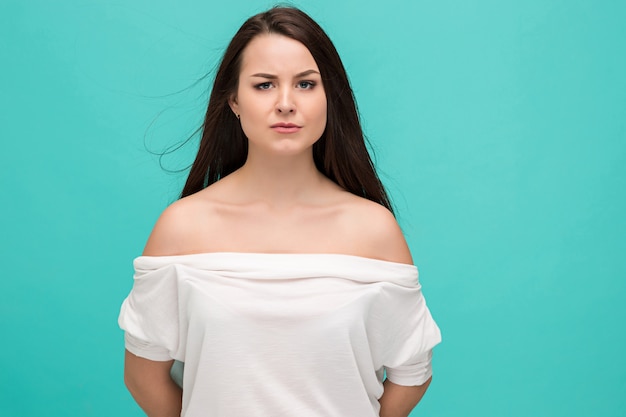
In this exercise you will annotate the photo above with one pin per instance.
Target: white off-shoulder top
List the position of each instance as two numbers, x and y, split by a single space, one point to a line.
269 335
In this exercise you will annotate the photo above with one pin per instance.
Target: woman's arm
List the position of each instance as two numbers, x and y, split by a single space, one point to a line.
148 381
150 384
398 400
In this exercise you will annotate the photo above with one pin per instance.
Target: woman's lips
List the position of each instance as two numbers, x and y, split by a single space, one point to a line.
285 127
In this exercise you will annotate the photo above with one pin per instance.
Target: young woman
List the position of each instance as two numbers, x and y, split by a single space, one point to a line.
280 278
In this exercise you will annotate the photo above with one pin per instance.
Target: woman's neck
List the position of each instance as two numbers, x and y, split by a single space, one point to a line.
280 181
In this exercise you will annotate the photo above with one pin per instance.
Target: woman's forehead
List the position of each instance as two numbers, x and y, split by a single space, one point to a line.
278 55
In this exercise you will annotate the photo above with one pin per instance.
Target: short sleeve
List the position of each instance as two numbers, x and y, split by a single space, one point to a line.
414 374
149 315
412 335
145 349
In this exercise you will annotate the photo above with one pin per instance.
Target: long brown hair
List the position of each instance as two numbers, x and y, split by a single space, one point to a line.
340 153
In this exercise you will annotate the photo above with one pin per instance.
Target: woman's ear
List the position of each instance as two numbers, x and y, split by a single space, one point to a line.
234 106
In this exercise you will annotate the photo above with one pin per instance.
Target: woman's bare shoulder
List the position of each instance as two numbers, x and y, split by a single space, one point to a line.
375 231
177 227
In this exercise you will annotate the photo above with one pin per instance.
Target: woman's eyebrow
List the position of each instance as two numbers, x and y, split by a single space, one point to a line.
307 72
273 77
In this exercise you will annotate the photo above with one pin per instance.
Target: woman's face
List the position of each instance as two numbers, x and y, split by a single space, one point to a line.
280 98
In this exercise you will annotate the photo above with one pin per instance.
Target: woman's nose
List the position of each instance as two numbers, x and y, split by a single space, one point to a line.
285 103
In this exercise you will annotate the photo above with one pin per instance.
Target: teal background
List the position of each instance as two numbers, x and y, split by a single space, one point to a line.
499 128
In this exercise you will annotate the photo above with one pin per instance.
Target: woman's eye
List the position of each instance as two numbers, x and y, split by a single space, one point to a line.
307 85
264 86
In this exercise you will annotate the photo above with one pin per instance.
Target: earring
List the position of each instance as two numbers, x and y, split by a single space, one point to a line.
237 114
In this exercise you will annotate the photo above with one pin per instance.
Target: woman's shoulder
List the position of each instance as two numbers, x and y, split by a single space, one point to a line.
374 229
177 225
